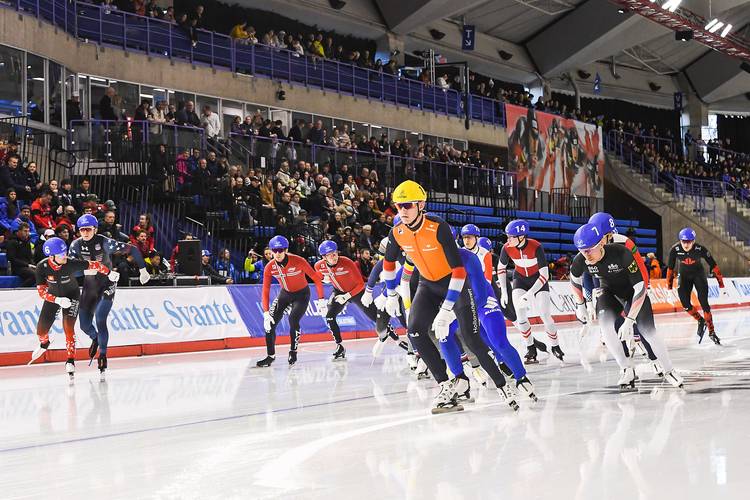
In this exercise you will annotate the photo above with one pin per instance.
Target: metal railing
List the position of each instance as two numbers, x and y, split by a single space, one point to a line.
156 37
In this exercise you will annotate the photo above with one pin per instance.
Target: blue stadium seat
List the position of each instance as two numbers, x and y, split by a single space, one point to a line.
10 281
3 261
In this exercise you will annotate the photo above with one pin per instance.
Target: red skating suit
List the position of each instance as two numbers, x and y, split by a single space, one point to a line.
344 276
291 276
528 260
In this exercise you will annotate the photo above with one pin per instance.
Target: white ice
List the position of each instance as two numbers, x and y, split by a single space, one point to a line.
211 425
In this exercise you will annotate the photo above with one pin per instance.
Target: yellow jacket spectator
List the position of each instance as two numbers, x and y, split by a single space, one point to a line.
239 32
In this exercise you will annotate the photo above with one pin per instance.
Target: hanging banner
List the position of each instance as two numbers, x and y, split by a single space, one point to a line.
551 152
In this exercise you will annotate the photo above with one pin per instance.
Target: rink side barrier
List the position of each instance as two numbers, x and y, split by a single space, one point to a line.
169 320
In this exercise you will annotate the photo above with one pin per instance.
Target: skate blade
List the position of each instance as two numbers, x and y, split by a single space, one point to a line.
531 362
102 377
338 360
423 375
463 399
447 409
513 406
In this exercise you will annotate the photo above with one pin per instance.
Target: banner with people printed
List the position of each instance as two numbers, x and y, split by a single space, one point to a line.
550 152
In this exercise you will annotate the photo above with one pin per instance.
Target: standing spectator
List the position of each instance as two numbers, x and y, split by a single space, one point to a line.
106 107
144 225
316 134
157 117
211 123
203 181
187 116
239 33
20 255
73 108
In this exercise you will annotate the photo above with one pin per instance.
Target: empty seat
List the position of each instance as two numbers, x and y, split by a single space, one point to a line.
10 281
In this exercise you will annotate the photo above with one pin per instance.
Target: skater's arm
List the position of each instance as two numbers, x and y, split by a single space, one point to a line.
314 275
639 286
502 265
113 246
712 265
453 257
576 280
97 266
374 275
359 283
266 286
487 264
670 266
630 245
41 284
392 251
543 271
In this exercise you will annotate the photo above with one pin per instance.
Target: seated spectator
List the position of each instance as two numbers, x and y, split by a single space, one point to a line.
155 265
223 264
365 262
82 194
366 239
141 242
13 176
68 218
25 216
109 228
208 270
254 265
10 207
144 225
20 254
41 211
39 247
267 193
64 232
32 177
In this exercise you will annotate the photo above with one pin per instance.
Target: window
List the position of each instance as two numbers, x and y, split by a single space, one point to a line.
11 75
35 87
229 110
127 98
56 99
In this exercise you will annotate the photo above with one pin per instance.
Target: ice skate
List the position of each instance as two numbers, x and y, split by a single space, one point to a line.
701 329
39 352
92 350
658 370
526 388
102 364
70 367
403 345
541 346
505 369
265 361
638 348
530 357
507 396
557 352
463 390
411 360
627 379
292 358
478 374
422 371
377 348
674 378
393 335
338 355
445 401
714 337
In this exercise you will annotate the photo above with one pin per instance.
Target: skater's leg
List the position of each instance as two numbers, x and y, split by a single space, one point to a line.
542 302
102 312
609 312
87 310
522 320
46 319
468 322
278 306
701 289
684 290
69 322
334 309
300 302
645 322
493 327
424 308
451 351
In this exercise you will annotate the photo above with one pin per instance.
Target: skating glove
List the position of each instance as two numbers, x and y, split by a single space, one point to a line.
442 322
63 302
581 313
591 311
322 306
625 332
503 297
343 298
267 321
380 302
392 306
114 276
367 298
143 276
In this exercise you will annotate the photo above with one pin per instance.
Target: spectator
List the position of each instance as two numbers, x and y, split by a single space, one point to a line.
20 255
65 194
41 211
144 225
141 243
155 265
203 181
316 134
316 47
224 264
366 240
12 176
254 265
109 228
73 108
267 193
63 231
25 216
208 270
187 116
68 217
157 117
239 33
39 247
365 263
211 123
9 210
82 194
106 108
653 266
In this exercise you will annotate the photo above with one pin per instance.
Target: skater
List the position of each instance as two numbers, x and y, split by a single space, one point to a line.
508 310
492 331
349 288
98 293
622 289
442 294
691 274
289 270
530 285
470 235
56 284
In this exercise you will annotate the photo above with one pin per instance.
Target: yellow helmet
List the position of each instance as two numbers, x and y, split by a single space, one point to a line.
408 191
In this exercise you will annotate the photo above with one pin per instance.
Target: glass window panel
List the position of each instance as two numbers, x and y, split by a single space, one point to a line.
202 101
180 98
230 110
35 87
55 94
126 99
11 80
154 94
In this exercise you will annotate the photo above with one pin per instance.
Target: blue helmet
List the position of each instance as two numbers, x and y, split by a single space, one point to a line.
604 221
485 243
470 230
687 234
205 253
454 233
55 246
587 236
396 220
87 220
518 227
278 243
328 246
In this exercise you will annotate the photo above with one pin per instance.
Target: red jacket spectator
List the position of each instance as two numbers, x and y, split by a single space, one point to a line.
41 213
144 224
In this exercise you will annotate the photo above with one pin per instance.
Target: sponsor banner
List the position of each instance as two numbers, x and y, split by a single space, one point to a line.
551 152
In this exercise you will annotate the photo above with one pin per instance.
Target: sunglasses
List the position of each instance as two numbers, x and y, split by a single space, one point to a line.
406 206
278 250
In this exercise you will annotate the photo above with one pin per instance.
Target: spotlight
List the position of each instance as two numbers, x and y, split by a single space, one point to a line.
337 4
726 30
654 87
583 74
671 5
683 35
621 10
437 34
505 56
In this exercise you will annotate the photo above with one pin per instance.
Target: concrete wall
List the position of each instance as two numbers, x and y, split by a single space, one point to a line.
731 260
27 33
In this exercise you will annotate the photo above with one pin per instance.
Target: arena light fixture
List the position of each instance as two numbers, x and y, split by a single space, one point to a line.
671 5
726 31
711 24
716 27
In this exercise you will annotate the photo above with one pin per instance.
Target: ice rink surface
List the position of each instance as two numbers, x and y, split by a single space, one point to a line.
212 426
